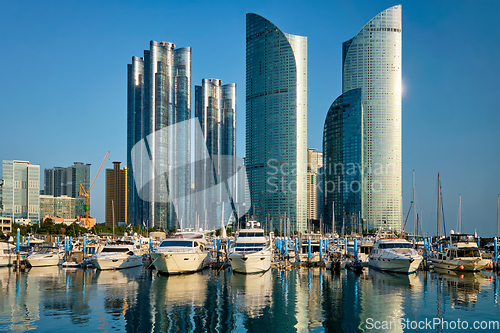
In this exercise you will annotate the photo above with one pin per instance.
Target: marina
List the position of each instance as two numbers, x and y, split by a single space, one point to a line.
52 298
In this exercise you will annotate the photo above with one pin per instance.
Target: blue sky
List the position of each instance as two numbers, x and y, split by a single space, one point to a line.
63 68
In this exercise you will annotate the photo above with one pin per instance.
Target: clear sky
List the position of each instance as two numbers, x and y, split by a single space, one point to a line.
63 70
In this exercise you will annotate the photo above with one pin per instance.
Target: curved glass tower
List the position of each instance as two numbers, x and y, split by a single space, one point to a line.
159 95
371 62
276 124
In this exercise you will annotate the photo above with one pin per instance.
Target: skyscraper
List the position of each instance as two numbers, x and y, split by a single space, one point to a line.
66 181
159 95
362 134
21 191
215 108
276 123
314 162
116 194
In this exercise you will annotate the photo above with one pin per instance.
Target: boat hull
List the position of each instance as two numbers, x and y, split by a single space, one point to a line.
398 265
250 263
459 264
179 263
5 260
42 262
118 263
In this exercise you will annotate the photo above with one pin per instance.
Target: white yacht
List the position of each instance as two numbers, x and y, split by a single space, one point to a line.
6 253
463 254
117 256
185 252
395 255
251 252
45 256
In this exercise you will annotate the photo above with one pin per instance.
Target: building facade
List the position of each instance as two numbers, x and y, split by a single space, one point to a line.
314 163
61 181
159 95
62 206
276 124
215 109
116 194
21 191
363 153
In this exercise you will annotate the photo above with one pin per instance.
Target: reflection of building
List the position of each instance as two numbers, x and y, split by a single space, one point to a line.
159 95
215 108
276 123
61 181
21 191
362 135
116 194
62 206
314 162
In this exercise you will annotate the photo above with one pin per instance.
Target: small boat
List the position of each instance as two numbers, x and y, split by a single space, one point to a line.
117 256
355 265
394 255
6 254
185 252
44 256
463 255
70 264
251 252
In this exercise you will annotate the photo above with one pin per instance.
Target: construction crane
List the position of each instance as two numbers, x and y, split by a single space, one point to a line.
86 194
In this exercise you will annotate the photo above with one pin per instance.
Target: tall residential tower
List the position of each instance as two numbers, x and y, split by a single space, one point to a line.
362 134
276 124
215 108
159 95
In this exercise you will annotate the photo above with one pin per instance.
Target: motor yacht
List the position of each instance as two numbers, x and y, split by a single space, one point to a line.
45 256
251 252
395 255
6 254
117 256
462 254
185 252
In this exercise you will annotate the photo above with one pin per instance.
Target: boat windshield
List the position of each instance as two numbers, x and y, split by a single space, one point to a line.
251 234
177 243
395 246
249 246
115 249
467 253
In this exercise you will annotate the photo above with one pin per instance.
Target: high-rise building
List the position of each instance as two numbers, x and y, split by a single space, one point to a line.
362 134
66 181
116 194
215 108
159 95
21 191
276 124
61 206
314 162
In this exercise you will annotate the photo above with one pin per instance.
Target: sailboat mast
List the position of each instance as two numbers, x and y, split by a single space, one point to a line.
498 217
333 216
438 209
460 214
413 203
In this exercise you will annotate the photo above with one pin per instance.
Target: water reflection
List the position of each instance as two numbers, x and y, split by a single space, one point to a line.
54 299
252 292
460 288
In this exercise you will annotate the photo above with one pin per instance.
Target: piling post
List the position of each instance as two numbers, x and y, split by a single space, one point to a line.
309 249
84 250
495 244
355 249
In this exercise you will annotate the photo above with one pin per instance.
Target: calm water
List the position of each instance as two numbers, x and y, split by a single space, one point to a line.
136 300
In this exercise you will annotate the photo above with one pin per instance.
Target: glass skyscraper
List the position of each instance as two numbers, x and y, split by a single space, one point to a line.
215 108
276 124
159 95
21 191
371 87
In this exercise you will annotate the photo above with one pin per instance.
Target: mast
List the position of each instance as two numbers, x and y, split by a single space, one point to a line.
333 216
498 217
460 214
438 210
413 203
